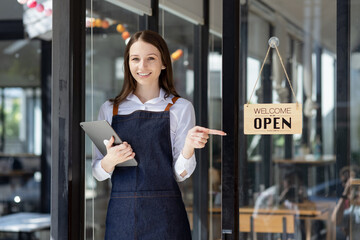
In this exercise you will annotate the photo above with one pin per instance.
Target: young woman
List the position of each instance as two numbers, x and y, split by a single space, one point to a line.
157 127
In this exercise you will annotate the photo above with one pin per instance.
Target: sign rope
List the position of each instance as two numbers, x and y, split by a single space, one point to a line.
273 43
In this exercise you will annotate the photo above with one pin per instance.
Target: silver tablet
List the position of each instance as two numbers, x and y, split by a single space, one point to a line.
98 131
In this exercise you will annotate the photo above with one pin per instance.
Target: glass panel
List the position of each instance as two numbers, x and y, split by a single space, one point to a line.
20 131
291 178
106 41
21 63
179 36
107 28
351 221
215 116
253 69
328 98
20 97
20 127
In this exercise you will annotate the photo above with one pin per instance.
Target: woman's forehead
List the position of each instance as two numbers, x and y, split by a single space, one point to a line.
143 48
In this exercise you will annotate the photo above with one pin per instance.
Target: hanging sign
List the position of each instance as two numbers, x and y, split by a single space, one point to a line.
284 118
273 118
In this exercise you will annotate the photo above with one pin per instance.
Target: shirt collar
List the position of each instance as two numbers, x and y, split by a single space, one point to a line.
134 98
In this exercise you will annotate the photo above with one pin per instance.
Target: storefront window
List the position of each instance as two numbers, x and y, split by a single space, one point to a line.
290 174
107 28
20 97
351 213
20 128
290 178
253 71
179 36
328 98
299 89
21 106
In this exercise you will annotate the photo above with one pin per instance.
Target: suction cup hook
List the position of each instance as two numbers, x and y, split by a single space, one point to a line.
274 42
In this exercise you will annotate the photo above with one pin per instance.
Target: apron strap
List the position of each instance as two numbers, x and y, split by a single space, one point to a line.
115 109
174 99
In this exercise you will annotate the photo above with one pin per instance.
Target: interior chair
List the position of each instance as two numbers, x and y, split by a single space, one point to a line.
267 223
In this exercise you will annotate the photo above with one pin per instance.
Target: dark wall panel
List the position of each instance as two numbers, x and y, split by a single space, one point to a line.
68 85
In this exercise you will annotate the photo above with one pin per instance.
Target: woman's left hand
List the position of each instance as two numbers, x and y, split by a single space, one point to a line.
197 138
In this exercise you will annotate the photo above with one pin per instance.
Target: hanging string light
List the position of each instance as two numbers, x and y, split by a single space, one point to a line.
106 23
120 28
39 7
22 1
126 36
31 4
98 22
176 55
48 12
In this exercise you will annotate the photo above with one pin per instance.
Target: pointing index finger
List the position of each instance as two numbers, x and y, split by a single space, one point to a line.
210 131
216 132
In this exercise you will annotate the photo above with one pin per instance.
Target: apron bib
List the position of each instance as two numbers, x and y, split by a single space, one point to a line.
146 201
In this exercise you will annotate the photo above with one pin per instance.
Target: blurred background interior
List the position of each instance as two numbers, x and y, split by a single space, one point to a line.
291 177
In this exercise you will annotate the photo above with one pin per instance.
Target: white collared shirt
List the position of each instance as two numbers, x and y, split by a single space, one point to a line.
182 119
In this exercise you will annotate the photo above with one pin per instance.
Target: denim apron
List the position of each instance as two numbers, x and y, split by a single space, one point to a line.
146 201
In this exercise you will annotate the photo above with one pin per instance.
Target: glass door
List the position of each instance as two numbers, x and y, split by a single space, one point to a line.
349 226
107 28
291 188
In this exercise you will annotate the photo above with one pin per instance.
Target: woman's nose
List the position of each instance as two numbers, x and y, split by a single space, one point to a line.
142 64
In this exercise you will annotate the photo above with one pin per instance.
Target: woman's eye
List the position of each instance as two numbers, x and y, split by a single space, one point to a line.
151 58
135 59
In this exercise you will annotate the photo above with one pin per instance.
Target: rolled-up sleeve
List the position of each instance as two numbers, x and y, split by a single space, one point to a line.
186 121
98 172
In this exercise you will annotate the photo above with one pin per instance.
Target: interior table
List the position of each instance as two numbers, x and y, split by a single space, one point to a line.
25 224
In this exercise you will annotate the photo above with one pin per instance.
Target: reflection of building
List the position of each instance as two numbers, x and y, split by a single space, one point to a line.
220 61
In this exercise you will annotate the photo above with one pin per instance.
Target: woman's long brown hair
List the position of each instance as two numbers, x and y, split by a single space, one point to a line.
166 80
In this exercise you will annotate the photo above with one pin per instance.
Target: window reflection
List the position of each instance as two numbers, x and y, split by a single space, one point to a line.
179 36
20 128
253 70
21 121
328 97
107 28
296 186
351 215
347 210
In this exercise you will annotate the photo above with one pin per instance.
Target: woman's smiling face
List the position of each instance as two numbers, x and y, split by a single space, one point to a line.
145 63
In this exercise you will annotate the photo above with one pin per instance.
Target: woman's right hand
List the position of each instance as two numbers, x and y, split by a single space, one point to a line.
116 154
